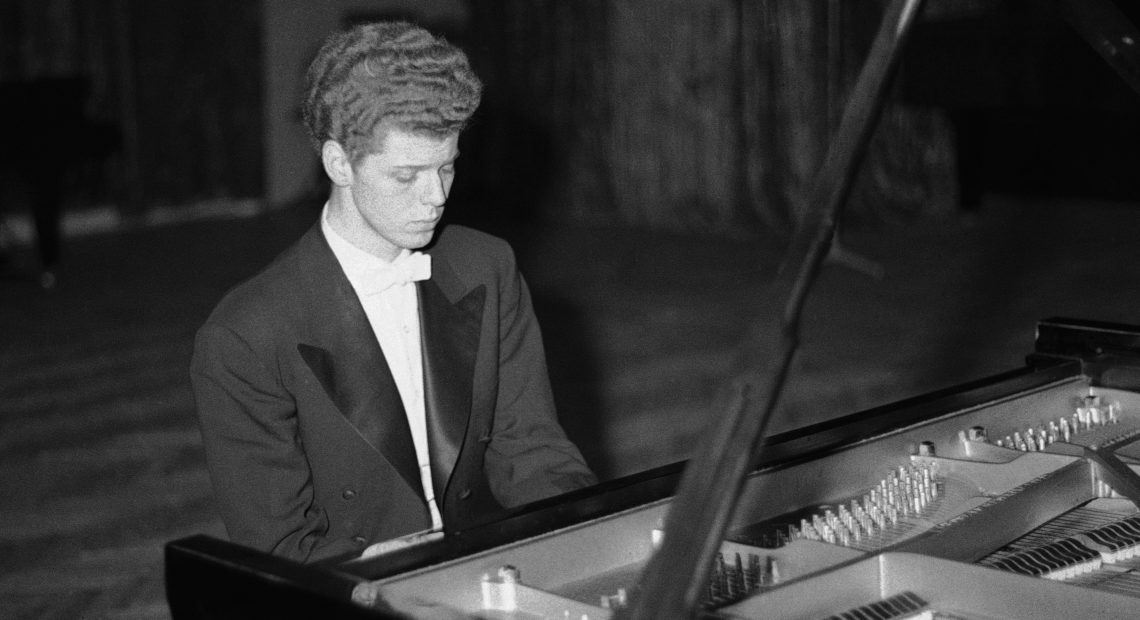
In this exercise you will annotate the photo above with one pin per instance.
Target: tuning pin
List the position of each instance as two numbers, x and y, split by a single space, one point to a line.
1019 443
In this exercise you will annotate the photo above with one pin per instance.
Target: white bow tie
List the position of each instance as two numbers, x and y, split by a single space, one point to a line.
411 267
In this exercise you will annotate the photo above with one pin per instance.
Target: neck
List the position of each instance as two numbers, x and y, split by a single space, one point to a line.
345 219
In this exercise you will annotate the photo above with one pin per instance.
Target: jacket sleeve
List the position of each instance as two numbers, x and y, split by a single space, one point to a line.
529 456
261 477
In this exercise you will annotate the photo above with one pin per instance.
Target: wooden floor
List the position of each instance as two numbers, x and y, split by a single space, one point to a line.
100 458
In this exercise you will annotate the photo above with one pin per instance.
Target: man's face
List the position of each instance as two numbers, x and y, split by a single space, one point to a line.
399 192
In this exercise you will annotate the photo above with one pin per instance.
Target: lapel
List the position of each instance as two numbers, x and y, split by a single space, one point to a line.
450 335
341 350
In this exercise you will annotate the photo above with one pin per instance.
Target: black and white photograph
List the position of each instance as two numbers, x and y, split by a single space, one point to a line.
570 309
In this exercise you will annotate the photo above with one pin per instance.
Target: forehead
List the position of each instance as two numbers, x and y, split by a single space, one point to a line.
398 147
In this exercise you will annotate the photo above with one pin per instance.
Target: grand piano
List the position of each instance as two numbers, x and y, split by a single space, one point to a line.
1011 497
1015 496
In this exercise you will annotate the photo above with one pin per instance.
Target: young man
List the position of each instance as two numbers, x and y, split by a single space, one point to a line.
358 389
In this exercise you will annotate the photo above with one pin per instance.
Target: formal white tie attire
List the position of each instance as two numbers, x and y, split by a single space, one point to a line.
388 293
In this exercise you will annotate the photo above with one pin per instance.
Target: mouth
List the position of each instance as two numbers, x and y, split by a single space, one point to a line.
424 226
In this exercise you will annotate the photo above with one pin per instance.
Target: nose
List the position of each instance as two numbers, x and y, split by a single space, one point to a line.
435 194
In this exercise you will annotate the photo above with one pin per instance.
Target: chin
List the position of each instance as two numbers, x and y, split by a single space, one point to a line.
418 241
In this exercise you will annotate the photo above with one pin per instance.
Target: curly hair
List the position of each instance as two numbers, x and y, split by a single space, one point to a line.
394 73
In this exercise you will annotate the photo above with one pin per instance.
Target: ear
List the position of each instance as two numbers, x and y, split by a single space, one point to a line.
337 164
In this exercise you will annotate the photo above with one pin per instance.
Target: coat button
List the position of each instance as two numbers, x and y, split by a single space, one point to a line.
465 493
360 540
348 494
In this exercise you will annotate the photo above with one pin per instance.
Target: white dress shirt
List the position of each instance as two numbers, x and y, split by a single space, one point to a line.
394 316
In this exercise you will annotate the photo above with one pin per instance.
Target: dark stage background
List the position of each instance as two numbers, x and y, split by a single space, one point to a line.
646 159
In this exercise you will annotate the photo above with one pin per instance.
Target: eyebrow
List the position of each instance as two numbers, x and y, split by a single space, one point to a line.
425 166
